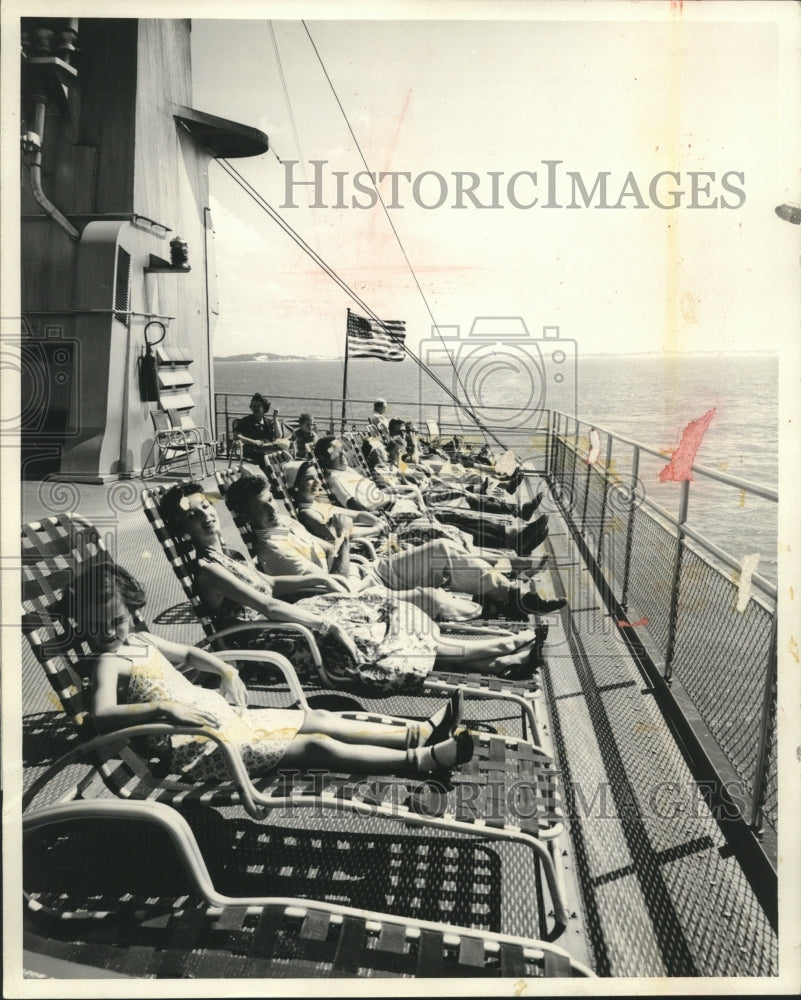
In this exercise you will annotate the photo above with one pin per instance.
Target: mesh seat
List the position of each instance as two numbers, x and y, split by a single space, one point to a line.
104 890
473 684
53 550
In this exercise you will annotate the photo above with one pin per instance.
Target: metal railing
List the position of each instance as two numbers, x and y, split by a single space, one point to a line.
660 567
528 441
717 641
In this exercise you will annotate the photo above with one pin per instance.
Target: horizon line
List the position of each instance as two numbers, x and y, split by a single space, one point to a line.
591 354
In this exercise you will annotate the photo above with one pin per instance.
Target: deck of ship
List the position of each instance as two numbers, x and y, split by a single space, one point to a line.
654 886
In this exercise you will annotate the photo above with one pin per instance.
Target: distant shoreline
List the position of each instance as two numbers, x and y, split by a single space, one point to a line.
264 357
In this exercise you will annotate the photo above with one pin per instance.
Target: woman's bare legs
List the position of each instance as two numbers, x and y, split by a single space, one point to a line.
319 750
492 655
319 722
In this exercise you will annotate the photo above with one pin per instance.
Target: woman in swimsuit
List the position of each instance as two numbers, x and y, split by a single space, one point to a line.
135 681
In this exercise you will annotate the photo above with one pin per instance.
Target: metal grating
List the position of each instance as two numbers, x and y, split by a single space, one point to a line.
593 507
653 550
721 658
770 807
612 549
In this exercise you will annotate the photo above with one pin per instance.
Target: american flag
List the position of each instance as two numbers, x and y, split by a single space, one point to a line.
381 339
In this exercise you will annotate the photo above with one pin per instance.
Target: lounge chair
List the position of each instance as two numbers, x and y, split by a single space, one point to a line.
162 915
180 556
54 548
197 434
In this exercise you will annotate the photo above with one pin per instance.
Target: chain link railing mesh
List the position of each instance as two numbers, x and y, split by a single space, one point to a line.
612 551
594 505
653 550
720 654
579 489
721 658
562 457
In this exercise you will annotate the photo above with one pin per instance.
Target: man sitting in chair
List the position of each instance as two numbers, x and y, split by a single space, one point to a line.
258 434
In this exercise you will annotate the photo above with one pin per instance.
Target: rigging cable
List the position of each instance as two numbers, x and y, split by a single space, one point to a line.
300 242
435 325
295 134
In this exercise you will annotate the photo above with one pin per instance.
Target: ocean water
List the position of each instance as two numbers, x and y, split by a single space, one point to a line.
647 398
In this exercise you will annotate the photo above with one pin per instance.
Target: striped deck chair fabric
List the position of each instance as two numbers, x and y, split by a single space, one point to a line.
473 684
147 870
473 804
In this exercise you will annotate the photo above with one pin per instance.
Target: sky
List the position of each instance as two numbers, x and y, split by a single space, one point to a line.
631 98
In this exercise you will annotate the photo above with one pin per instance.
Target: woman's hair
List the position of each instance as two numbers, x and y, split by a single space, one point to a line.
97 584
321 450
397 426
172 513
300 475
258 398
375 453
243 491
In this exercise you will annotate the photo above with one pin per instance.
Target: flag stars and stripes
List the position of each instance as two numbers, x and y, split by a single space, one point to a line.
382 339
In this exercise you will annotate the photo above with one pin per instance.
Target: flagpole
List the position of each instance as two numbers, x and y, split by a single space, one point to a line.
345 374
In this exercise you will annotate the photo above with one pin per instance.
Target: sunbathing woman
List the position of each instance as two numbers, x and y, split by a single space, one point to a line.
319 511
373 626
390 460
135 681
353 490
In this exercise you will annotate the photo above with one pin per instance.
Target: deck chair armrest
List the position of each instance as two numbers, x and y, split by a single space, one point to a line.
336 915
192 434
476 630
275 659
174 437
260 623
237 769
366 544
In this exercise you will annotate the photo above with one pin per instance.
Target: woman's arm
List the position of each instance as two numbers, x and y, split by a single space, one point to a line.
363 495
246 440
304 581
313 521
227 585
179 654
364 523
109 714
